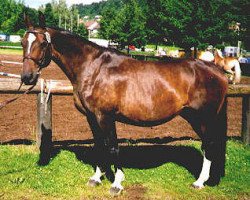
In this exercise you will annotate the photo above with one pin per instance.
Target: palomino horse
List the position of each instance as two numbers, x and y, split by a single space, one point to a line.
228 64
109 86
206 56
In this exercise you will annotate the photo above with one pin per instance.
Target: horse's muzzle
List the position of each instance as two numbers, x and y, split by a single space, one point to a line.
29 78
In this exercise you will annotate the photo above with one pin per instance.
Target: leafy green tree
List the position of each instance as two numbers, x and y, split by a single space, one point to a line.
50 17
81 31
10 12
126 26
108 23
240 12
97 8
190 23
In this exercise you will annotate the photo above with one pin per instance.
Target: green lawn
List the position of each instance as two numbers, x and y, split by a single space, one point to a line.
11 51
165 177
6 43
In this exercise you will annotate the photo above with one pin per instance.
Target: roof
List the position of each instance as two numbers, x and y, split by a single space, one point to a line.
92 25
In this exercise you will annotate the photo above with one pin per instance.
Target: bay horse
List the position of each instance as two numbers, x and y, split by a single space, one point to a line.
230 64
109 86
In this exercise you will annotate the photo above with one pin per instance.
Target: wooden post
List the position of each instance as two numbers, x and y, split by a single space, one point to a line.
44 127
245 132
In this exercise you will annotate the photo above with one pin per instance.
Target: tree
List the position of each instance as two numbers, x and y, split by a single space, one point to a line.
81 31
107 24
240 11
10 12
190 23
127 26
50 17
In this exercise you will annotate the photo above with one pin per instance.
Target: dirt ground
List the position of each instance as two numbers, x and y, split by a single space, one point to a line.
18 119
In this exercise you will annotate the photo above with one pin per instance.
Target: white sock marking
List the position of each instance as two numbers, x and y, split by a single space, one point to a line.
204 175
97 176
31 39
119 177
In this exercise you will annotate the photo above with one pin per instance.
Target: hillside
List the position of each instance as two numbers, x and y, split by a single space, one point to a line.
97 8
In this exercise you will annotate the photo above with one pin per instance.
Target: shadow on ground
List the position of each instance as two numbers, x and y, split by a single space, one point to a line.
137 154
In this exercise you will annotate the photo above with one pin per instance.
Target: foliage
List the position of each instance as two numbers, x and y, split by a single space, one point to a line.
127 27
81 31
108 23
184 23
68 171
97 8
50 17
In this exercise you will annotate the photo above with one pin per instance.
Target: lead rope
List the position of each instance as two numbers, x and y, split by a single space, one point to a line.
48 95
4 103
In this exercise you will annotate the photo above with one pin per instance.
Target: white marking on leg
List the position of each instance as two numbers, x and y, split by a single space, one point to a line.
31 39
204 175
97 176
119 177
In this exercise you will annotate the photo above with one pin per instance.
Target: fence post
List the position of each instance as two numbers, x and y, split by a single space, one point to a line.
245 132
44 127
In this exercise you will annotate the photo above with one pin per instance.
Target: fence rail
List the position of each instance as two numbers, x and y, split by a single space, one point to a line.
46 88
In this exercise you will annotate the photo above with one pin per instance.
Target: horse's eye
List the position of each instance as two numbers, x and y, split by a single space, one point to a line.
44 44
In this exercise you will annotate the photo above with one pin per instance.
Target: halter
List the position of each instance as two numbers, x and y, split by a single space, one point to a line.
41 63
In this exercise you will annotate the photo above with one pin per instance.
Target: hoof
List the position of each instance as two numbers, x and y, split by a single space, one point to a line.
197 186
93 183
115 191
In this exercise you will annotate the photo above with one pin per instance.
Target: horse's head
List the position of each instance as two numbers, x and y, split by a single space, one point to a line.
36 50
218 53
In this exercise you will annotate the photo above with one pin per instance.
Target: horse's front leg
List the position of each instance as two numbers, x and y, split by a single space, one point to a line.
100 151
106 144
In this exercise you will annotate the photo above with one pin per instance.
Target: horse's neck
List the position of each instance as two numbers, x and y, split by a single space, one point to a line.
71 56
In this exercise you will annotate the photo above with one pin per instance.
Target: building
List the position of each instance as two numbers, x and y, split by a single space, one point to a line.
92 26
231 51
3 37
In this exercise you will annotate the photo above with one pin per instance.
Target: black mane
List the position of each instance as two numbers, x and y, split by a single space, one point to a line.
86 41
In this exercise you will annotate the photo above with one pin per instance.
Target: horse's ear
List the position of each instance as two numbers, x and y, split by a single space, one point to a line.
42 22
27 21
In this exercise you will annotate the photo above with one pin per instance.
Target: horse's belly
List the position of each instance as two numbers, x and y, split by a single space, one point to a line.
151 112
145 120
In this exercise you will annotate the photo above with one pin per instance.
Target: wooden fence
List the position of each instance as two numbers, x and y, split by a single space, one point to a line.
45 90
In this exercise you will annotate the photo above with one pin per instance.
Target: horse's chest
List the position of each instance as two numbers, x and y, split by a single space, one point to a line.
78 103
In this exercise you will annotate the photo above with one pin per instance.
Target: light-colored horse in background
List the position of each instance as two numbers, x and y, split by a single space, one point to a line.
230 65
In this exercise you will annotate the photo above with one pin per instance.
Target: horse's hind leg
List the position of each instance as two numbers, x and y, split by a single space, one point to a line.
194 117
212 130
214 145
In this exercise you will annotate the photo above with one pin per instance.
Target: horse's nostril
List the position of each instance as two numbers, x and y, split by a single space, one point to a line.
26 78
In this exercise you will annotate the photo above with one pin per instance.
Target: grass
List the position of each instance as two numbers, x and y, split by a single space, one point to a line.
65 177
164 47
6 43
11 51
